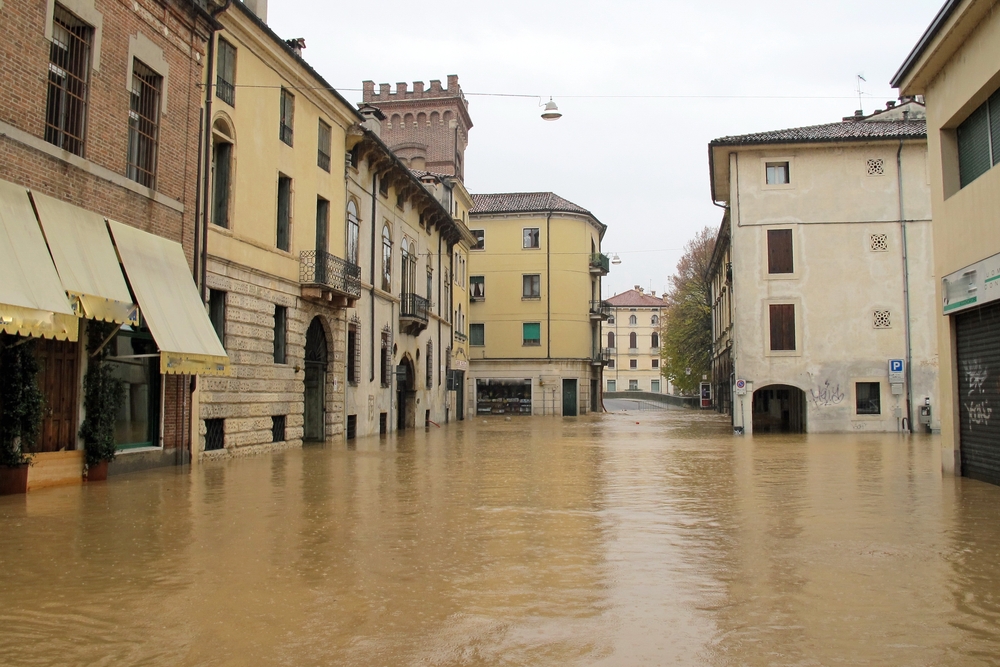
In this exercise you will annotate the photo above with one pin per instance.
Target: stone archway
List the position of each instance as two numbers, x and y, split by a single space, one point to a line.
779 408
314 409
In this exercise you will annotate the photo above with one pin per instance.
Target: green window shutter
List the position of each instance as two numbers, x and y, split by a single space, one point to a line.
477 334
532 331
994 104
974 146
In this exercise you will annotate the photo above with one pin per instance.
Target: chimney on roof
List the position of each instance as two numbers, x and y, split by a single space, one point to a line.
652 293
373 118
297 44
258 7
890 104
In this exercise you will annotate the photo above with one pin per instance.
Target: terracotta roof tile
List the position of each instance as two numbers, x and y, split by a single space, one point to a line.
852 130
524 202
635 299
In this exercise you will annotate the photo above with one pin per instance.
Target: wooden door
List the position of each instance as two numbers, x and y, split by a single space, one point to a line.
58 380
569 398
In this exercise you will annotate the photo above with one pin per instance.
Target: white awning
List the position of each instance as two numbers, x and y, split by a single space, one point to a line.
32 299
168 298
86 261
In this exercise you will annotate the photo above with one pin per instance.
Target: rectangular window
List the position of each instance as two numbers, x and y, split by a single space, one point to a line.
217 312
531 333
782 316
386 361
654 386
777 173
383 423
633 385
480 235
215 434
612 385
868 398
144 124
354 155
383 187
779 251
280 333
325 146
656 363
633 363
69 78
353 356
400 201
222 159
287 116
278 428
477 288
531 238
611 363
225 79
283 240
531 286
352 427
979 141
477 334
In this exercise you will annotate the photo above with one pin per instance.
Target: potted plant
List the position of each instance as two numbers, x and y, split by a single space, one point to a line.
103 396
21 405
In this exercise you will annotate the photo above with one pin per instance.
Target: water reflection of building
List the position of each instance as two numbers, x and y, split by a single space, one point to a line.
632 335
955 66
99 198
830 274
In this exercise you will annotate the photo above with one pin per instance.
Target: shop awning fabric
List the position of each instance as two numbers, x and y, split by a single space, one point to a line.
32 299
161 281
86 261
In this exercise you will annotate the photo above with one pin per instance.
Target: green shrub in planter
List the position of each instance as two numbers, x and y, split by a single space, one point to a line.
103 396
21 400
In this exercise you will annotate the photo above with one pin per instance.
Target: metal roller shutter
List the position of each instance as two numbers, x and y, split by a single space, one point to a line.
978 337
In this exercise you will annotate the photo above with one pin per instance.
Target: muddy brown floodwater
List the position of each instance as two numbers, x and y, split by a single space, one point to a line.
541 541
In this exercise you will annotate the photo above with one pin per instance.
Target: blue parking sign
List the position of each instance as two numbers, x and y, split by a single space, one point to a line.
895 365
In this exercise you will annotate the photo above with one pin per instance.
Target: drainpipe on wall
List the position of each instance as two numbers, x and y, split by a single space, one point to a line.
548 286
906 289
371 373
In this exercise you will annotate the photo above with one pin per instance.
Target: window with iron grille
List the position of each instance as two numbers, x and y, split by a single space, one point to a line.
217 312
325 147
287 116
69 78
353 355
278 428
225 78
430 364
222 161
215 434
280 333
352 427
383 423
386 367
283 240
144 124
868 398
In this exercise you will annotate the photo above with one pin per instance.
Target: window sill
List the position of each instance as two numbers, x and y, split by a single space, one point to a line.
531 344
531 298
137 450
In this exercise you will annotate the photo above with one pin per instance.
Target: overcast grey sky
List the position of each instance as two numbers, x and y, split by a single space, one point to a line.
640 165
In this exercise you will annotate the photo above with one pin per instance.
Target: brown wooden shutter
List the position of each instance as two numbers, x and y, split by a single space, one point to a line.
782 317
779 251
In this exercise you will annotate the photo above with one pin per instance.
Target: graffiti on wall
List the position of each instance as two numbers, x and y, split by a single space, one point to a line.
826 394
976 406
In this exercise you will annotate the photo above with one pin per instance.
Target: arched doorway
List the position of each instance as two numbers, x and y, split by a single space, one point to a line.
406 388
779 408
314 426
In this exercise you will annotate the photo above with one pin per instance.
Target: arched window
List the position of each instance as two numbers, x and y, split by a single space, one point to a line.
633 340
611 339
656 339
386 259
655 321
353 233
632 320
430 364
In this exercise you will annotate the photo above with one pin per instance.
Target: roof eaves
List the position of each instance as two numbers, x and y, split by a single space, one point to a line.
918 51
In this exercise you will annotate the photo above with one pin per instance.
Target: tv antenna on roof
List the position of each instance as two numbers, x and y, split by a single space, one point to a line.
860 78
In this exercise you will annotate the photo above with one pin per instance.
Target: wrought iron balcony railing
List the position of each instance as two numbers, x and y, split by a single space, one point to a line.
602 356
600 263
600 309
461 337
413 306
317 267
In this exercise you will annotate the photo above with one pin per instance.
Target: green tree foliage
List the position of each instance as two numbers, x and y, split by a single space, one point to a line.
21 400
686 338
103 396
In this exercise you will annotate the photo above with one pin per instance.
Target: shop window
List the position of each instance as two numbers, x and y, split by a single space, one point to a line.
144 124
136 365
280 333
225 79
868 398
287 121
503 397
69 81
531 333
477 334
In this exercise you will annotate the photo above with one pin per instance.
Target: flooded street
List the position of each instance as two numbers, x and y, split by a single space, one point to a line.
541 541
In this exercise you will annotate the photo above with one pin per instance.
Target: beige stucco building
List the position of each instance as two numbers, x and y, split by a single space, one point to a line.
632 335
830 274
956 67
534 321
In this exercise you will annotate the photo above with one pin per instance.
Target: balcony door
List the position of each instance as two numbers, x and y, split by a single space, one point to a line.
322 238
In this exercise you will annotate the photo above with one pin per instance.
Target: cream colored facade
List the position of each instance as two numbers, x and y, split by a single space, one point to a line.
535 316
634 367
813 339
956 67
721 272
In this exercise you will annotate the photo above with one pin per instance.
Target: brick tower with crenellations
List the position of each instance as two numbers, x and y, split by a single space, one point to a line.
427 128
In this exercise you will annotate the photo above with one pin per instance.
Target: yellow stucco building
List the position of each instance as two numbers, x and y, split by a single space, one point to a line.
535 318
632 334
956 67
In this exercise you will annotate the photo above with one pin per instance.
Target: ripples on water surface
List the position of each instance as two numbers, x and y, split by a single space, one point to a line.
542 541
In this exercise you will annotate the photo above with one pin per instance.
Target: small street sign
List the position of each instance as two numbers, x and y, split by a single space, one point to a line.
896 371
741 387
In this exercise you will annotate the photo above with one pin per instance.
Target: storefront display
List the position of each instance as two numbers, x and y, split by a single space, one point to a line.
503 397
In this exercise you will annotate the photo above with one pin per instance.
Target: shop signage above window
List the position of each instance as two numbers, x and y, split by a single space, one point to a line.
972 286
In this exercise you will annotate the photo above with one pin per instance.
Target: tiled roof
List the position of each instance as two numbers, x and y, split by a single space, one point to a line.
524 202
851 130
635 299
419 173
